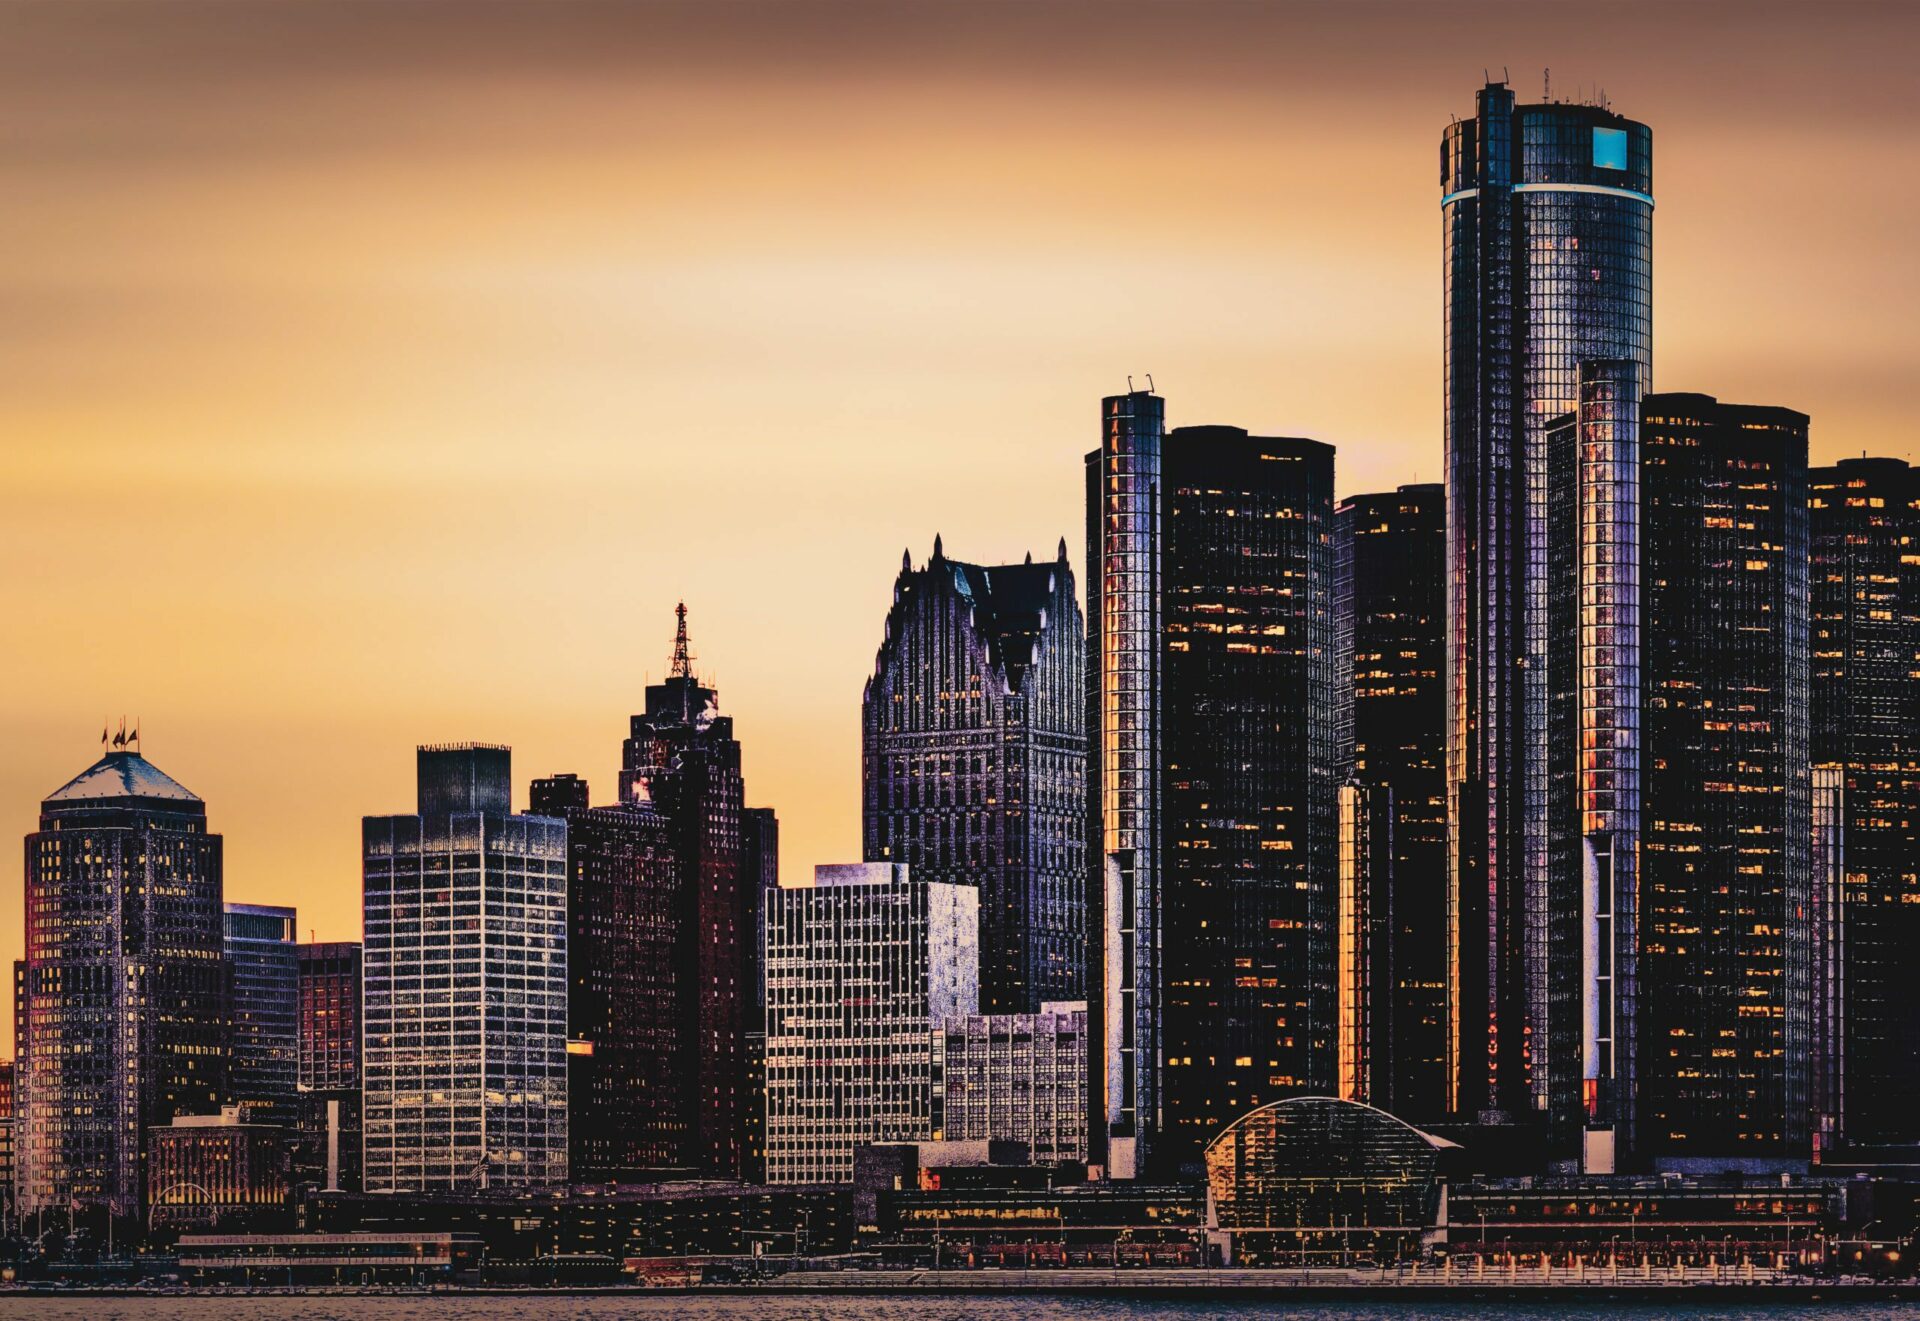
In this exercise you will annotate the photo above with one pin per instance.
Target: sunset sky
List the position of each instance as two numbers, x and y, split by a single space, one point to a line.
373 374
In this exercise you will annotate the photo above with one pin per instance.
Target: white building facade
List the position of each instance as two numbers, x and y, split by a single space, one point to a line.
1019 1078
861 965
464 995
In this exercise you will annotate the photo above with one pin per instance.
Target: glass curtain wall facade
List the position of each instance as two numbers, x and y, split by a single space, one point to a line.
327 1147
681 759
1827 961
1125 656
1364 923
1247 993
122 1006
1726 912
1547 228
265 1072
1390 551
974 755
1018 1078
465 998
1322 1182
863 966
1607 772
631 972
1866 718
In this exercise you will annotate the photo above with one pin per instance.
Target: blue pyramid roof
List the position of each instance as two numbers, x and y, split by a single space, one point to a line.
121 775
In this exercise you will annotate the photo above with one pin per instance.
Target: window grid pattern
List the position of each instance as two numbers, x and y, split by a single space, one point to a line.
1726 918
465 1002
1547 265
1866 718
1125 785
862 966
974 758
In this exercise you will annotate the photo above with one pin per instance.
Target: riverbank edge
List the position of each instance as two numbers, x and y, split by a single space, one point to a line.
1158 1290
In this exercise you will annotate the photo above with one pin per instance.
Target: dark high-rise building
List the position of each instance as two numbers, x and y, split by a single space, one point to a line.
1725 953
1866 719
327 1147
1391 553
1247 957
1827 962
974 754
683 761
762 830
1214 750
329 1015
123 1004
1547 220
631 970
1126 651
464 999
6 1140
265 1071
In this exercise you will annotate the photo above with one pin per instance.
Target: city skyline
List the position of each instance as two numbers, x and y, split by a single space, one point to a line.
230 533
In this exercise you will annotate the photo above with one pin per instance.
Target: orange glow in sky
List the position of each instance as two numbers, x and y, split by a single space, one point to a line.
381 374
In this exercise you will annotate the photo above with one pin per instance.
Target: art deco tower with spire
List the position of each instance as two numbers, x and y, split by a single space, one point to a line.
682 759
974 756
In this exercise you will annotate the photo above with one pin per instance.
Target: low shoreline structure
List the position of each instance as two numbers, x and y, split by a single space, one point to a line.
1693 1285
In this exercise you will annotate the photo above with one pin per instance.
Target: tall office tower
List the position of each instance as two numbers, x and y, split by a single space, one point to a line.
683 760
7 1206
123 996
1596 684
1016 1078
327 1147
265 1070
1390 579
631 939
1866 718
1125 782
762 831
464 1005
862 965
974 754
1363 943
1548 220
1724 917
1247 994
1827 961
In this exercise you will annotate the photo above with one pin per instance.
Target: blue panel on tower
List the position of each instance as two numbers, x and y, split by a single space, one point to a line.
1610 148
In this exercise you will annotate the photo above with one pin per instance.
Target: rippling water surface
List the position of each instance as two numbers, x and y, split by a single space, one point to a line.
899 1308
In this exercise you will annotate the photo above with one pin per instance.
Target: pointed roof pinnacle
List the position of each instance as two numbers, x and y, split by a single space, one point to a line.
906 561
1063 550
938 554
681 666
1029 557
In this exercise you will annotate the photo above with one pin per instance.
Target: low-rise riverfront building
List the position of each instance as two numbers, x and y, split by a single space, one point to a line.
211 1170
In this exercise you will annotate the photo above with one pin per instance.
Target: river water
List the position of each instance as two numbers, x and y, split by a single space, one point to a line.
640 1307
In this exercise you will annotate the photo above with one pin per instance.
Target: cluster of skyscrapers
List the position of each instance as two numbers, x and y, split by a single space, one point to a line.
1570 807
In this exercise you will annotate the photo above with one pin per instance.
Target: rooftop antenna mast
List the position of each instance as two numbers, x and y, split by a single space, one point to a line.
681 666
1546 91
1150 383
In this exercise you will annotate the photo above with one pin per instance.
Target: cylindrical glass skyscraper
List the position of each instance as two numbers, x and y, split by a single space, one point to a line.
1547 222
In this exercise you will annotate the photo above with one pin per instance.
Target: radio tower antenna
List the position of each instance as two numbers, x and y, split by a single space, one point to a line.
681 666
